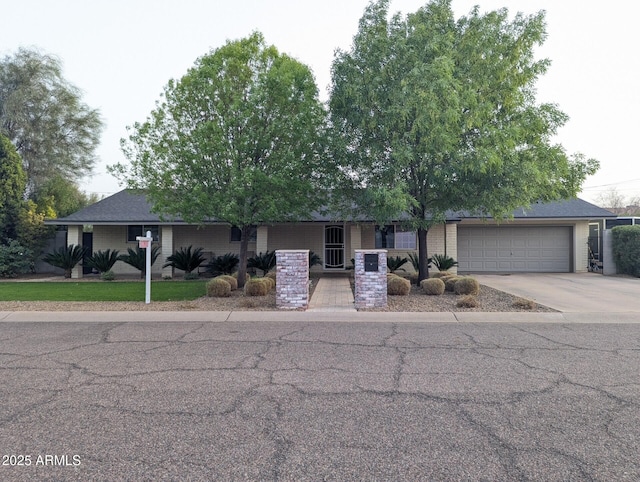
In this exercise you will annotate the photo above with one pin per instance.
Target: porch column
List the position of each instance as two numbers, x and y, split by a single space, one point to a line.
166 243
356 240
262 239
74 236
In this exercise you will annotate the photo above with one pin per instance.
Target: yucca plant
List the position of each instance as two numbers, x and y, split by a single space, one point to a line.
225 264
103 261
138 258
186 260
65 258
263 261
444 262
395 263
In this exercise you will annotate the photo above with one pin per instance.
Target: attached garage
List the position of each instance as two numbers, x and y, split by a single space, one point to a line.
511 249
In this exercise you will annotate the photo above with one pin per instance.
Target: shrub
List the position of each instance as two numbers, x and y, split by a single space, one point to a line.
14 259
466 286
138 258
225 264
467 301
626 249
103 261
273 275
270 282
450 282
255 287
231 280
108 276
397 286
432 286
218 288
443 262
65 257
265 262
186 260
314 259
396 263
440 274
524 304
191 276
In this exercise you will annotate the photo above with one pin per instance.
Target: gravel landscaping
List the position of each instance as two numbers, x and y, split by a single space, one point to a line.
489 300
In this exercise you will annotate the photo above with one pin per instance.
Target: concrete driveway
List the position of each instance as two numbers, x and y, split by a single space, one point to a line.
571 292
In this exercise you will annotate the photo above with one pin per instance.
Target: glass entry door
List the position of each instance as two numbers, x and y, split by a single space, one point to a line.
334 247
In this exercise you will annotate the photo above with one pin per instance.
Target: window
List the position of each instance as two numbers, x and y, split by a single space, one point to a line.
134 231
405 239
236 234
384 237
394 237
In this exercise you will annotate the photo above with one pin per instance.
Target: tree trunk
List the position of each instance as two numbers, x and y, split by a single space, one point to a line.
244 246
423 259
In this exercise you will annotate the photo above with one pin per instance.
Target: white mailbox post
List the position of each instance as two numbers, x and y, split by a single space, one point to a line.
144 242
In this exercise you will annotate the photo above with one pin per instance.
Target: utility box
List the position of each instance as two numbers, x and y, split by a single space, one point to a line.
370 278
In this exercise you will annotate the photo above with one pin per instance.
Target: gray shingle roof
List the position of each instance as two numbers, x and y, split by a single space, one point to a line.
132 207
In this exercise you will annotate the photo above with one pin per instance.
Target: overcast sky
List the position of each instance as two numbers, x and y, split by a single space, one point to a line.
121 53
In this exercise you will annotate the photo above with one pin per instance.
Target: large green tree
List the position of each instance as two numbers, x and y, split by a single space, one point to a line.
439 114
239 139
43 115
12 185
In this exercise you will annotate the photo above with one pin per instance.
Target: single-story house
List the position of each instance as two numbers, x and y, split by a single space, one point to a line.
547 237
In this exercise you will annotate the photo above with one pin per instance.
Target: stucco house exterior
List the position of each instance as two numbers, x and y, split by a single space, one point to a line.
547 237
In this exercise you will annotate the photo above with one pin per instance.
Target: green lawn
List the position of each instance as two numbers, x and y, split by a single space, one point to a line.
101 291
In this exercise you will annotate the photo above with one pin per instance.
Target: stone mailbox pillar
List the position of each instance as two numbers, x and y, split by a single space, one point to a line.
371 278
292 279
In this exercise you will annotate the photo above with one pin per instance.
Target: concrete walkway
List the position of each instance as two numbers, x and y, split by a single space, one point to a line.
332 294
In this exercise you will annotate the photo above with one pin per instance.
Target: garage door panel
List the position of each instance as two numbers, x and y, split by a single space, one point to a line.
515 249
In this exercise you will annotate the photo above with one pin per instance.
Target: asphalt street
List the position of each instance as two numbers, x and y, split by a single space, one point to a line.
319 401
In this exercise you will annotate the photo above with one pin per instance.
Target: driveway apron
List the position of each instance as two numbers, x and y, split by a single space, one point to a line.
571 292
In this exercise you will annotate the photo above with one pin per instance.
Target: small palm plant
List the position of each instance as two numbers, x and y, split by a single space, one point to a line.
225 264
444 262
65 258
314 259
138 258
395 263
103 261
415 261
263 261
186 260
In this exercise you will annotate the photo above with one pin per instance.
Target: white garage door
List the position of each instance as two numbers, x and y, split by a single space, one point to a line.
515 249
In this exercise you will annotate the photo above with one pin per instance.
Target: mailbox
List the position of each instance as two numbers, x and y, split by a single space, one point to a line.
371 262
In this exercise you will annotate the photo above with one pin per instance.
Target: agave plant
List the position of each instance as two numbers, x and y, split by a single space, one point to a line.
263 261
65 258
103 261
444 262
225 264
395 263
186 260
138 258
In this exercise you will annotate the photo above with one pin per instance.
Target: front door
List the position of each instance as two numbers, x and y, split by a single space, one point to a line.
334 247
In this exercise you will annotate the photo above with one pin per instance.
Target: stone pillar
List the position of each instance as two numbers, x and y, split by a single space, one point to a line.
371 280
292 279
166 240
262 239
74 236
